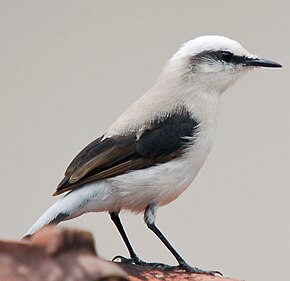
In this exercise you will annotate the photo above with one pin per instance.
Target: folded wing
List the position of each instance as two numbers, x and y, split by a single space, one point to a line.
161 141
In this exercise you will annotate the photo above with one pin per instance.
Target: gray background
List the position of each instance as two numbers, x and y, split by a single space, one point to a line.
69 68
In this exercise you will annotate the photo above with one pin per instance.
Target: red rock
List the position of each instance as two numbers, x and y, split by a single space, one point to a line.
57 254
138 273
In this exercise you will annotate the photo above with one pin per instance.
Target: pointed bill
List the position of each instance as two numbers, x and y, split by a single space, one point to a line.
260 62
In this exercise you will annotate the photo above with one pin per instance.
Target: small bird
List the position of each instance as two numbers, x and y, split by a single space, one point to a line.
155 149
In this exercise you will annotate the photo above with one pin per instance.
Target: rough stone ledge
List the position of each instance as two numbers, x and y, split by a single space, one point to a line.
57 254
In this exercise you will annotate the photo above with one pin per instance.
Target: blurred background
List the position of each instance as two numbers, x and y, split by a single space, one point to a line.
70 68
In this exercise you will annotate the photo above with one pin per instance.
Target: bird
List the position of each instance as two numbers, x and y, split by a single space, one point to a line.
155 149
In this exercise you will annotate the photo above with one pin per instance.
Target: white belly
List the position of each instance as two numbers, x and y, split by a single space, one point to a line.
163 183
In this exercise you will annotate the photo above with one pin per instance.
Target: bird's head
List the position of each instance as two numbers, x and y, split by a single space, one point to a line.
213 62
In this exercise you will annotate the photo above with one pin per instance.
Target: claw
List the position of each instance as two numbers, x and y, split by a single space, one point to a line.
191 269
136 260
183 266
125 260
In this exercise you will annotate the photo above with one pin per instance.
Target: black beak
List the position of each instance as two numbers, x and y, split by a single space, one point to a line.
260 62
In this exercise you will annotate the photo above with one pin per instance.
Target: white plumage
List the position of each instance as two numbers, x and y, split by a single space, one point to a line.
193 79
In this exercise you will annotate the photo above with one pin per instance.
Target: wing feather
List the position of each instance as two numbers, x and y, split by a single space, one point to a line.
158 143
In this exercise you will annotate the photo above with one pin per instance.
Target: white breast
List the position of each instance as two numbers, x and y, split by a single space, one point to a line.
163 183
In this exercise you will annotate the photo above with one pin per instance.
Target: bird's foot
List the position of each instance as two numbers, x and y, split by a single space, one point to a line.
138 261
131 260
156 265
188 268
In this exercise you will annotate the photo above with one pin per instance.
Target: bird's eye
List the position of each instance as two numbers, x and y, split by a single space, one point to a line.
227 56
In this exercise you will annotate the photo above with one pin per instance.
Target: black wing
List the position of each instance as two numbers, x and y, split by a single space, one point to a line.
162 140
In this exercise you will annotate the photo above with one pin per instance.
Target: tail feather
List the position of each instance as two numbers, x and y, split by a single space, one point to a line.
91 198
54 215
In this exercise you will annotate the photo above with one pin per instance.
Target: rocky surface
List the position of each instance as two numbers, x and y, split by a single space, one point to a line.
56 254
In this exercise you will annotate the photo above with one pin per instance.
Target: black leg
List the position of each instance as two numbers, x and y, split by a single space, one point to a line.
150 216
134 258
159 234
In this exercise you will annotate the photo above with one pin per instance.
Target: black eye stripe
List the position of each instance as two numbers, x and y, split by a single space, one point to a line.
224 56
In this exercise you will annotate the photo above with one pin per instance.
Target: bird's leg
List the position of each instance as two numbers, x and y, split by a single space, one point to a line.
133 257
150 217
